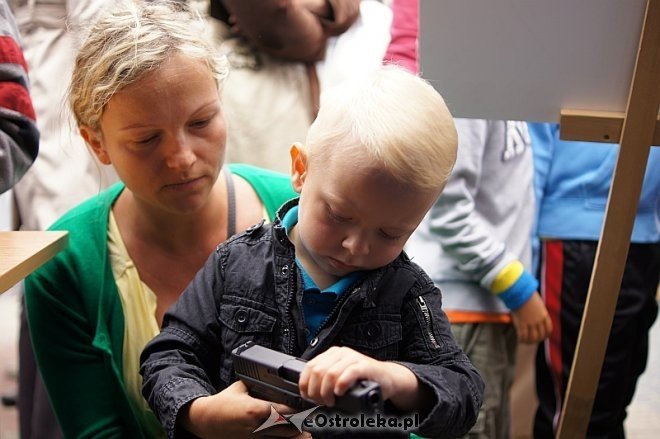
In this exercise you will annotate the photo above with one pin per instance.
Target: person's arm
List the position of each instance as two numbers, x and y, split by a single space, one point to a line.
453 387
403 49
468 240
295 30
432 377
543 136
181 368
75 364
454 221
19 137
234 413
182 363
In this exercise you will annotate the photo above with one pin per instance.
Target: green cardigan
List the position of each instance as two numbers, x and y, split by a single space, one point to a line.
77 323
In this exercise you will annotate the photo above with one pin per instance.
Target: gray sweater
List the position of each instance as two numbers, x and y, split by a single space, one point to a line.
483 219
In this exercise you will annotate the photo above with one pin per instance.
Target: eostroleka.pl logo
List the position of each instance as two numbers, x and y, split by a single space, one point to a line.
324 420
276 418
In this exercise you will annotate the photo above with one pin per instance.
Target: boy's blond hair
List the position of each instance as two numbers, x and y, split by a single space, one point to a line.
397 118
130 40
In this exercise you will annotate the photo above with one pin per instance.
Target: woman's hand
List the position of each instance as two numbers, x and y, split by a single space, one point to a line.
320 8
234 413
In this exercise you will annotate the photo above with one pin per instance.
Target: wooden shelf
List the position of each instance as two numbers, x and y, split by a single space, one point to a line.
23 252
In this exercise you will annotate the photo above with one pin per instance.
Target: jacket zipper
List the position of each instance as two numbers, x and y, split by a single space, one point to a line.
335 310
427 321
291 293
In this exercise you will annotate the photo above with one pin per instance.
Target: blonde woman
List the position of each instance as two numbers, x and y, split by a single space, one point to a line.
145 93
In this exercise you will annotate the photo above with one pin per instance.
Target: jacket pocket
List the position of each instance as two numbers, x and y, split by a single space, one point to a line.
377 337
241 323
244 319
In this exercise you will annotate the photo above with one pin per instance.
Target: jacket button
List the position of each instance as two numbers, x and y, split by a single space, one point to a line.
285 270
250 230
314 342
241 316
373 330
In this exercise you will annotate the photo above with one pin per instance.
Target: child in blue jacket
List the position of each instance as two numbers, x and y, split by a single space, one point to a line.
572 181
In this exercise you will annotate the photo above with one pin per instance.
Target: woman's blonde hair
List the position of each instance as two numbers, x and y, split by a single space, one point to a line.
399 119
130 40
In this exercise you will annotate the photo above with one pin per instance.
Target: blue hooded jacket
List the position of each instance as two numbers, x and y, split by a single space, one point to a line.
572 182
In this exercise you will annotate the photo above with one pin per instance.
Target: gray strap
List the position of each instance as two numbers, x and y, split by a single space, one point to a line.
231 203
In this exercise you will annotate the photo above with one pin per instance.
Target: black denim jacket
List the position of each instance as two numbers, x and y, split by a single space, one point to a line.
251 289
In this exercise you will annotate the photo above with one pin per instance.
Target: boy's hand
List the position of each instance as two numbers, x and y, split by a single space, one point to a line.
336 370
532 321
234 413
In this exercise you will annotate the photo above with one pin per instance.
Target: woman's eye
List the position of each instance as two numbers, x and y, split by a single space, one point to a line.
146 140
201 123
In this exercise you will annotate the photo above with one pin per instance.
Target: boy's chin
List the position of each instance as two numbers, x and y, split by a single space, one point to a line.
340 269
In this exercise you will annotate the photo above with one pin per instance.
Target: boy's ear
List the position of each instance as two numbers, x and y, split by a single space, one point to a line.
298 166
93 139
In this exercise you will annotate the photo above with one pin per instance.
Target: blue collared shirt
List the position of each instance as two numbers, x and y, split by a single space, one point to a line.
316 303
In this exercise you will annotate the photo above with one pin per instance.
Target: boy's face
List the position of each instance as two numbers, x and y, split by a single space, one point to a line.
352 216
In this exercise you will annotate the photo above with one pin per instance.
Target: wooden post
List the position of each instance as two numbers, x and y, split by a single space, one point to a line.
596 126
636 139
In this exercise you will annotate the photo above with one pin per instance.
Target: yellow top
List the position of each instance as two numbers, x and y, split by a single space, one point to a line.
140 325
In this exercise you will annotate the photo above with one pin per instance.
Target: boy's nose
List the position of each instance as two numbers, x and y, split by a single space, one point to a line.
356 245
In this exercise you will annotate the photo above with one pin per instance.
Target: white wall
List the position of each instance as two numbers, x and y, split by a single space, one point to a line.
528 59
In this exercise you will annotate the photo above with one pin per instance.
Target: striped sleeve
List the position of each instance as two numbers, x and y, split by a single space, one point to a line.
19 136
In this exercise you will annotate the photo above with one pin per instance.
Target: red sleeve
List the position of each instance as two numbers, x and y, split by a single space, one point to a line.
14 94
403 48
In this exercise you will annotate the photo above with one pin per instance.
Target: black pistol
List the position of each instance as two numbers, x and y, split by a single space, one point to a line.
273 376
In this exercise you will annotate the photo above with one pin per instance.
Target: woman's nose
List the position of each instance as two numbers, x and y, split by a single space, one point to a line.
180 154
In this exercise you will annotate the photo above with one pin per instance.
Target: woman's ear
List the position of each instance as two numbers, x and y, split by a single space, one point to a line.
93 139
298 166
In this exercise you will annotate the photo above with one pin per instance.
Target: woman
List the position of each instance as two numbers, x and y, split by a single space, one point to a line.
145 92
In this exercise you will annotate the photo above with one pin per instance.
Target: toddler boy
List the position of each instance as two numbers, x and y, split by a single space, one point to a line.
328 281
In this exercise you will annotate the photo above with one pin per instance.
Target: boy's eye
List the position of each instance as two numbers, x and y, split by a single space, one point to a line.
389 236
337 218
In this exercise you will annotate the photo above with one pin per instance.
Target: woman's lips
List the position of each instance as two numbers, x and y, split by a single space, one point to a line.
186 185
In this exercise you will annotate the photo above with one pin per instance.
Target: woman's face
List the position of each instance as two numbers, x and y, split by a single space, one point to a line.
165 135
